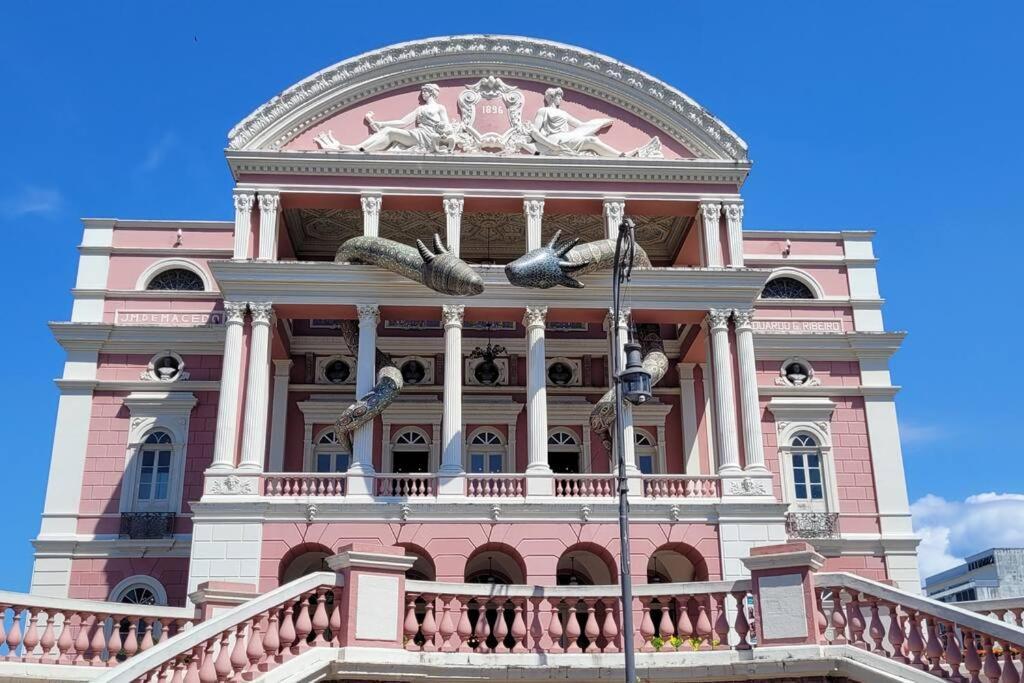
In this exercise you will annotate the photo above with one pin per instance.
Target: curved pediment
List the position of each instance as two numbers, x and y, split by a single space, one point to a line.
494 95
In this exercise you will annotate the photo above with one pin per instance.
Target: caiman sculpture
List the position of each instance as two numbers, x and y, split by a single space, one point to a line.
439 270
556 264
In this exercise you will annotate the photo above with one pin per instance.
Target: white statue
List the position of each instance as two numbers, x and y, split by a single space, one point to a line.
555 131
424 129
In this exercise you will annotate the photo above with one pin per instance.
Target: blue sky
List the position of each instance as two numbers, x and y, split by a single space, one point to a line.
902 117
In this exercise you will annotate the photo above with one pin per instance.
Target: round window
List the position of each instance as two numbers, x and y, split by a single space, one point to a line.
487 372
167 368
337 371
796 373
560 373
413 371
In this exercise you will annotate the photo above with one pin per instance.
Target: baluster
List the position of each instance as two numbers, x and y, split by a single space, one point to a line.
591 629
646 626
222 664
684 627
14 635
65 642
500 629
838 620
1010 674
208 672
82 639
875 630
897 638
953 653
933 648
518 629
320 618
991 669
303 624
272 638
572 629
446 627
429 626
610 627
180 667
411 626
819 613
287 630
688 489
98 641
665 627
31 639
1018 616
464 629
49 637
254 651
192 672
721 623
147 636
972 662
555 628
855 617
114 644
703 625
481 630
742 626
238 659
915 643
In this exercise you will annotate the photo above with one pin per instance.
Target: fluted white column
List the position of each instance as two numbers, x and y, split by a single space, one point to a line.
734 229
533 209
451 417
244 200
753 445
536 392
725 401
371 203
257 390
628 436
688 416
366 371
710 215
453 222
614 211
228 401
270 203
279 415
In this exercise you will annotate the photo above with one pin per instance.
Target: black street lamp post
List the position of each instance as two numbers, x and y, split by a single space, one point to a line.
632 384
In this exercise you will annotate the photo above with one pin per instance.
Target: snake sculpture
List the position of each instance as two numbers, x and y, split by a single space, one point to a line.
440 270
558 264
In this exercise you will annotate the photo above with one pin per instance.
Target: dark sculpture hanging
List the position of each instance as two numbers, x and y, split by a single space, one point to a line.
558 264
440 270
384 392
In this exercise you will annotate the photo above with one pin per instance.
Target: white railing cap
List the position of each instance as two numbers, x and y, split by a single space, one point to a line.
49 604
601 591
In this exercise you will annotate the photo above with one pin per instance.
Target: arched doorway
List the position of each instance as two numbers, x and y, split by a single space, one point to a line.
302 560
495 563
423 568
586 564
676 563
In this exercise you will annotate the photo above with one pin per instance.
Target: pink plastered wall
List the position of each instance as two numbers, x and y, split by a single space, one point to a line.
774 246
125 270
106 455
193 237
626 133
868 566
844 314
94 578
130 367
537 546
829 373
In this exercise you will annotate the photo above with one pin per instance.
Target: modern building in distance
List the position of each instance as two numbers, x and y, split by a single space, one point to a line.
989 575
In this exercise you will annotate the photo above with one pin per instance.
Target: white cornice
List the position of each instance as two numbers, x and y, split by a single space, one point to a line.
160 224
209 252
826 391
407 346
147 295
808 234
120 385
110 338
470 56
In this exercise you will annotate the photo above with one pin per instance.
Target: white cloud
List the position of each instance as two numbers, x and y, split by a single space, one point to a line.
32 201
158 152
951 530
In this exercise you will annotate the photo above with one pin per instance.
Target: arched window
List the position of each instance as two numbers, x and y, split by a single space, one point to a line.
139 590
486 452
410 452
786 288
179 279
329 454
564 452
808 480
646 452
153 491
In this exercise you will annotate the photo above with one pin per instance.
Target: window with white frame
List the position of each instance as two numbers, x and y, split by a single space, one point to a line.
410 452
564 453
156 451
646 452
808 475
486 452
152 493
330 454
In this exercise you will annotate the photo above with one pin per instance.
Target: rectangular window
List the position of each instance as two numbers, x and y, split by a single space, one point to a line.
807 482
155 475
647 464
485 463
332 462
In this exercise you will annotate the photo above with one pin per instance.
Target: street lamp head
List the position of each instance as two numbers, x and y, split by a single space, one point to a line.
636 382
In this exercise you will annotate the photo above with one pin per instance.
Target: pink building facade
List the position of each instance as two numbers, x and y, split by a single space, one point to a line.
195 439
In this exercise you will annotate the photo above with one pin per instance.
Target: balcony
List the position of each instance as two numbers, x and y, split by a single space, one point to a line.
140 525
810 525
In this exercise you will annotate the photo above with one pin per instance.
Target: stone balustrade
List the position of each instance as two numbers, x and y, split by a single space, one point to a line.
304 484
406 485
681 486
495 485
585 486
1009 610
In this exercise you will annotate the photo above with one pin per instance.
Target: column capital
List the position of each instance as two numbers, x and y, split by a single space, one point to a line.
234 312
685 370
533 207
535 316
733 211
623 318
270 200
711 210
371 203
718 318
368 313
614 209
244 200
452 314
453 205
261 312
744 318
282 367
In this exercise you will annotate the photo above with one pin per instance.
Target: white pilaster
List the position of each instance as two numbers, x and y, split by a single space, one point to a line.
725 402
533 209
451 480
371 203
863 279
244 200
688 417
614 212
229 398
362 441
93 270
279 415
710 215
453 222
536 404
753 445
629 436
257 390
734 225
270 203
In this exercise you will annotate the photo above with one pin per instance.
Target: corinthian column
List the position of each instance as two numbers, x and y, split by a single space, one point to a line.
244 199
710 214
366 371
753 446
228 400
628 444
725 401
371 203
257 390
453 222
734 229
270 202
533 209
536 403
451 417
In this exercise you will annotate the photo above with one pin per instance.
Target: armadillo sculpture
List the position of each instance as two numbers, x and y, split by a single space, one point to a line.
439 270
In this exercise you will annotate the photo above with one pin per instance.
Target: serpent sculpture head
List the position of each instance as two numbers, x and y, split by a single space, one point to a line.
546 266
